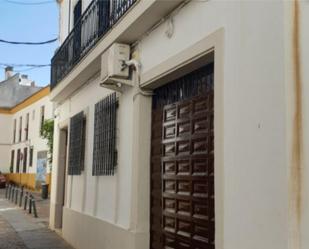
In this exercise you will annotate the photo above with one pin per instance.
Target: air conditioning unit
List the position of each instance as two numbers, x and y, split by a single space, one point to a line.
114 72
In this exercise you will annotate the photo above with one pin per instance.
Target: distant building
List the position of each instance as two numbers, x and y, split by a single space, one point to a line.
23 109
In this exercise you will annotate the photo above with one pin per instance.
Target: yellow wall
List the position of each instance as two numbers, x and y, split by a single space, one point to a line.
26 179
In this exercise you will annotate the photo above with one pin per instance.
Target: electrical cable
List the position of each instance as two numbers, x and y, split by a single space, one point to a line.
30 3
27 69
29 43
24 65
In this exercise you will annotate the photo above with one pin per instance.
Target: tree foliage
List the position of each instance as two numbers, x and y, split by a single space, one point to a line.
47 132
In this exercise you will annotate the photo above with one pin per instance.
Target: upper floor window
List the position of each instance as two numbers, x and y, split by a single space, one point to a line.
12 160
31 157
14 130
20 128
104 147
77 30
42 118
18 160
77 12
77 144
25 157
27 127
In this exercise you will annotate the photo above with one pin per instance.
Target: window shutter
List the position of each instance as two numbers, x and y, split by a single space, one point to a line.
77 11
104 149
77 144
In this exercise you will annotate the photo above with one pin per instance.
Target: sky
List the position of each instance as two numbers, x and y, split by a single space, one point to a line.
28 23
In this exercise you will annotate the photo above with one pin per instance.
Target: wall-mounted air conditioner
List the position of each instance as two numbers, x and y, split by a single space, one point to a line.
114 71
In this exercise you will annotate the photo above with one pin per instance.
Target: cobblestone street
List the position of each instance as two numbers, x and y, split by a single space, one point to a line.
19 230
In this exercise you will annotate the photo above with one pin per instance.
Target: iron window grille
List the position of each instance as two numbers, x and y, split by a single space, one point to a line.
31 157
20 129
25 155
14 131
104 149
18 161
42 119
196 83
77 144
12 160
27 127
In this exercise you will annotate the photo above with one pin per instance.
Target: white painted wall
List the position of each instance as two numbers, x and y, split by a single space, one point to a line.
255 110
38 143
104 197
63 20
6 132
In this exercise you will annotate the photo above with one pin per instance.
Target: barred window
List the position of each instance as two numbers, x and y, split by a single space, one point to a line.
18 161
12 160
31 157
104 149
25 158
77 144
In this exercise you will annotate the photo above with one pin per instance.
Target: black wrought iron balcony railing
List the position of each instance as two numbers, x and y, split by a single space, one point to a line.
96 20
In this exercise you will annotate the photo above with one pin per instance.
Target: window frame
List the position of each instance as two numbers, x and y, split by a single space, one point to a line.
18 155
27 126
105 132
12 161
25 159
77 145
20 135
14 130
42 118
31 150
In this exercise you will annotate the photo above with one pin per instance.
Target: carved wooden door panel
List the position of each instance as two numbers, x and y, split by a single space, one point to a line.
182 170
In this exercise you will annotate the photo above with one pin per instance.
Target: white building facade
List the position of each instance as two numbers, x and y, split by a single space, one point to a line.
27 124
6 141
21 143
205 149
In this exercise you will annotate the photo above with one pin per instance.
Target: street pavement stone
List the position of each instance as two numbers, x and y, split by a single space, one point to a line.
9 238
19 230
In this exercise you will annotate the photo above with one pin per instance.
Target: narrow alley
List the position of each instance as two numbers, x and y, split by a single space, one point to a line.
154 124
19 230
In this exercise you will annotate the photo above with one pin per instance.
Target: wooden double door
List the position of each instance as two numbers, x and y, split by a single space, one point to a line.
182 163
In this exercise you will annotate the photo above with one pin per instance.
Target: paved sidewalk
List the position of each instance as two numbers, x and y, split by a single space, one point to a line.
19 230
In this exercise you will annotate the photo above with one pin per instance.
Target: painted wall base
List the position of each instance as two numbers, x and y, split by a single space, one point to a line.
28 180
87 232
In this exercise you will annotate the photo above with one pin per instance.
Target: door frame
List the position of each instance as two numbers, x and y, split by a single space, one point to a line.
188 60
61 175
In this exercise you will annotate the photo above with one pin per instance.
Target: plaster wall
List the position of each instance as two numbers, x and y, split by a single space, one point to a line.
255 178
104 197
34 139
5 141
254 181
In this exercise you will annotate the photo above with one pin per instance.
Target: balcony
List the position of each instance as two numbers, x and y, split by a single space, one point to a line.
99 17
75 65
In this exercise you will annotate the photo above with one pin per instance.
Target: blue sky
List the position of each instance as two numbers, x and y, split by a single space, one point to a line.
28 23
